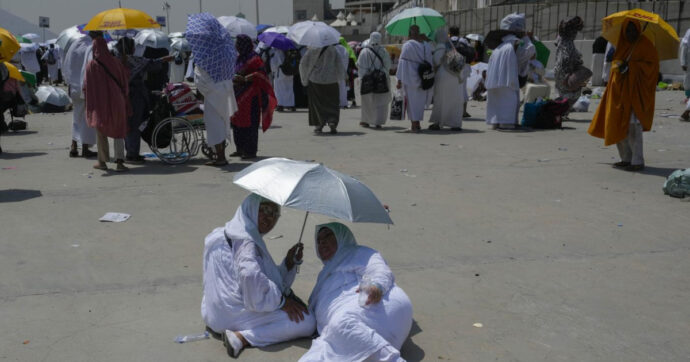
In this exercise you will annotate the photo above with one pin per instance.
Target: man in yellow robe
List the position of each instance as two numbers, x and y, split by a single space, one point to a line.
627 107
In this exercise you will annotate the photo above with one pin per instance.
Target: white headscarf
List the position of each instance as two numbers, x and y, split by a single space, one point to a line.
513 22
346 246
686 38
374 38
244 226
74 61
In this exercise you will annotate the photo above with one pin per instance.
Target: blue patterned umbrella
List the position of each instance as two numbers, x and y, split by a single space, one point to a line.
212 47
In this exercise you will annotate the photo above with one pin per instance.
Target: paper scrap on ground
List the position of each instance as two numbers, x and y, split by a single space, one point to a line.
478 325
114 217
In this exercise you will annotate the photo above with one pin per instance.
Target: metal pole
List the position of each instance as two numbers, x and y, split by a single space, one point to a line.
200 6
256 5
303 225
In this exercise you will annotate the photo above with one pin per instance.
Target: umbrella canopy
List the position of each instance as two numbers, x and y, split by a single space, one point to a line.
278 29
662 35
30 47
152 38
313 187
29 78
313 34
393 50
475 37
14 72
9 45
177 34
53 95
237 26
261 27
121 18
23 40
427 19
180 45
67 37
212 46
31 36
276 40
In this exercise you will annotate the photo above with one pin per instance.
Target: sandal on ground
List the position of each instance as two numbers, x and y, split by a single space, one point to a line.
120 167
378 126
635 168
364 124
235 154
333 131
214 334
73 153
100 166
318 130
435 127
87 153
232 344
621 164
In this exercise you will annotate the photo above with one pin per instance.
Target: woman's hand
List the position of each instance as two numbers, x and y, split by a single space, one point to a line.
294 309
374 293
238 79
295 254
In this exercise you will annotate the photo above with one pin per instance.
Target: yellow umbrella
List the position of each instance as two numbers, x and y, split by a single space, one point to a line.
8 45
121 18
14 72
393 49
662 35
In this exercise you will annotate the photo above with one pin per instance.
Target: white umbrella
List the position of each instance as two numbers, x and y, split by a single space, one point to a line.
237 26
313 34
177 34
25 47
67 37
53 95
152 38
52 41
278 29
180 45
31 36
476 37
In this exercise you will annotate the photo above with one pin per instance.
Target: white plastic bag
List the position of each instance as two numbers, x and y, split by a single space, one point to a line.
582 104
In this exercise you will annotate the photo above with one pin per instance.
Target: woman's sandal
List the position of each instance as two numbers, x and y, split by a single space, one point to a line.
101 166
216 163
73 153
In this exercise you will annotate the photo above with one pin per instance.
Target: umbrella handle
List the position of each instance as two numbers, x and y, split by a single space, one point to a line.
303 225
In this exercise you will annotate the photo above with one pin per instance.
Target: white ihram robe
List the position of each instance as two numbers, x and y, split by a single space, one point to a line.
502 84
52 68
72 72
342 85
375 106
347 331
219 105
282 84
448 92
243 287
684 58
412 55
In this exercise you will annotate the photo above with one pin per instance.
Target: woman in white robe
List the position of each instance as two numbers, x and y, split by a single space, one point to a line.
247 297
502 84
219 105
342 85
448 88
283 85
351 327
72 72
375 106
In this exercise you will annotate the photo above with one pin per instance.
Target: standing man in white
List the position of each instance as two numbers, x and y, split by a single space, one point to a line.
414 53
282 84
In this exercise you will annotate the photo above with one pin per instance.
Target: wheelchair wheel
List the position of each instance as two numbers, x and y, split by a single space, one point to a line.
174 140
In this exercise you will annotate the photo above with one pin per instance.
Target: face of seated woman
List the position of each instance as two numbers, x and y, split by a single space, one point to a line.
269 213
326 243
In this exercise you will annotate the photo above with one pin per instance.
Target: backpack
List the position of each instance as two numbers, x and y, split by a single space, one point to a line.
453 61
426 74
678 184
376 80
290 65
51 58
550 116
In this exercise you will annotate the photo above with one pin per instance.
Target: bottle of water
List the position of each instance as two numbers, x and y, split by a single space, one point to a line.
192 337
364 291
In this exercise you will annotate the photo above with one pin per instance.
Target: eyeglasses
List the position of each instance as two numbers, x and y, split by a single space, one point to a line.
269 211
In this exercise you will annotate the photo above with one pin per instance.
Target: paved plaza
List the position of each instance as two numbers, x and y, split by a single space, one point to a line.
512 246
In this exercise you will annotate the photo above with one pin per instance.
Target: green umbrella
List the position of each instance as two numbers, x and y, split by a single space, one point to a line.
428 20
22 39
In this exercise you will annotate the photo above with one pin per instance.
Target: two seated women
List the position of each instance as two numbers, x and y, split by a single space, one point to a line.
356 307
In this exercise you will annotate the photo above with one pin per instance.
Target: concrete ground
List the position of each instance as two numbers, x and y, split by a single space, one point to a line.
533 235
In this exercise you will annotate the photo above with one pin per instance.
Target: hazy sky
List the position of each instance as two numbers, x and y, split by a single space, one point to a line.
66 13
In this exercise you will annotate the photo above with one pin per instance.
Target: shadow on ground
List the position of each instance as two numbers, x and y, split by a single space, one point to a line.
409 350
13 156
16 195
18 133
303 343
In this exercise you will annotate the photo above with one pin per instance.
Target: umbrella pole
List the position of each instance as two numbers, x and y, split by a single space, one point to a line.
303 225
